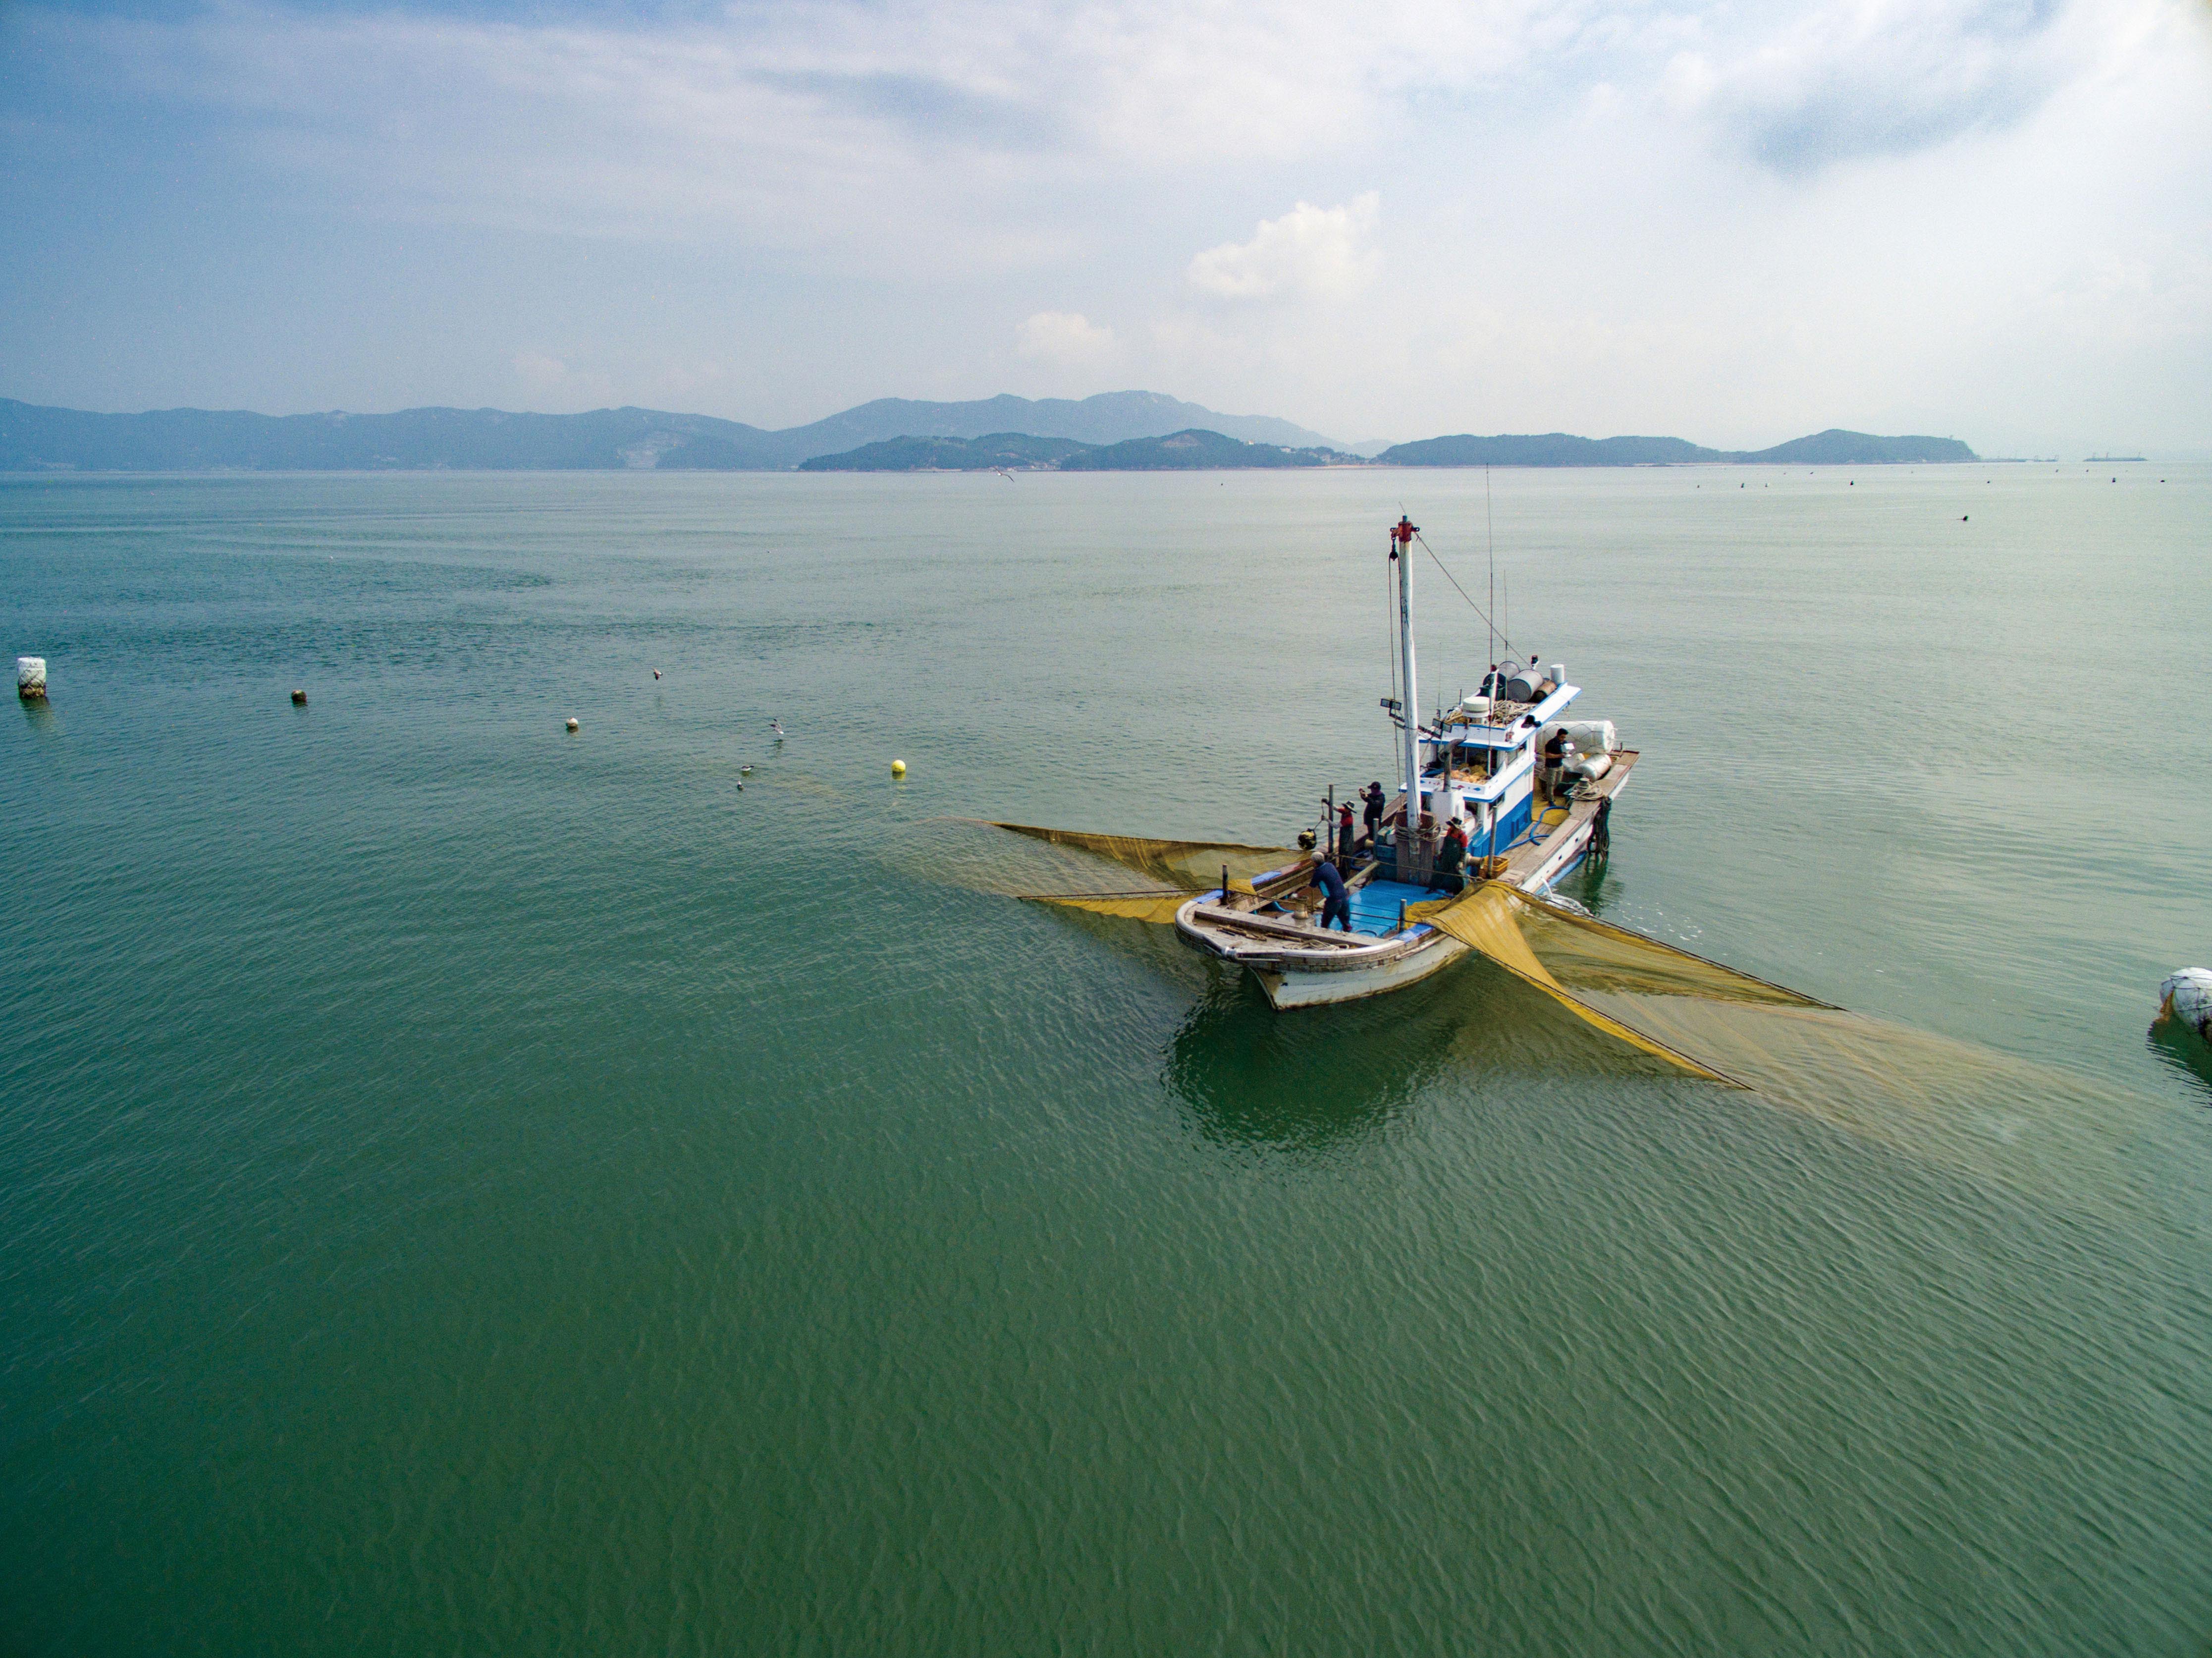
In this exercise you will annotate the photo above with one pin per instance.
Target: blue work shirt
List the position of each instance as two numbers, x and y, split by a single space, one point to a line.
1330 882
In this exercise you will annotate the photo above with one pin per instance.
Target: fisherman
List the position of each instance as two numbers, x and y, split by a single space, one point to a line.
1373 796
1557 752
1335 900
1451 859
1343 836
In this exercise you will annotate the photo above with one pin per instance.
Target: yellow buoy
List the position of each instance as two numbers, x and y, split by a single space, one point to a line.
898 768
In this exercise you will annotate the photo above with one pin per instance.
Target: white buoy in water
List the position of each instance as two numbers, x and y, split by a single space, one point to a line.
656 673
2187 997
572 725
30 676
744 771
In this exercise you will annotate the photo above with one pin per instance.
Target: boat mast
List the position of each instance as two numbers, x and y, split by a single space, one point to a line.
1402 551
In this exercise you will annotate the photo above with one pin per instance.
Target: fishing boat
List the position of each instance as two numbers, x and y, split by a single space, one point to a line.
1529 791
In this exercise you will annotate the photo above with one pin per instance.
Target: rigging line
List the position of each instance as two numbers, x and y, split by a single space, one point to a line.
1490 547
1461 591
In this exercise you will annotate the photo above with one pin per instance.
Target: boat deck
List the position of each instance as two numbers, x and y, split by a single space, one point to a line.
1376 904
1529 864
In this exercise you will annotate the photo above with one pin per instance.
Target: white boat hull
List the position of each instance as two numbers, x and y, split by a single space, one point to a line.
1294 989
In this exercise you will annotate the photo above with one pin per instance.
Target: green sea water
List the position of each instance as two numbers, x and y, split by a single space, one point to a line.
467 1188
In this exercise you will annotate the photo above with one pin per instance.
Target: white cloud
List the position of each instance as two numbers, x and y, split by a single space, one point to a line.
817 125
1067 340
1311 251
832 126
538 370
550 381
1845 78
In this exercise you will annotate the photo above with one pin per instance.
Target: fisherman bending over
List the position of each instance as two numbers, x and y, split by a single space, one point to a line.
1335 900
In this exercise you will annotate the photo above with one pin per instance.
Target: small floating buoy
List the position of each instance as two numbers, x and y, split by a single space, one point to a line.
572 725
744 771
299 699
898 768
1962 517
2186 997
656 673
31 677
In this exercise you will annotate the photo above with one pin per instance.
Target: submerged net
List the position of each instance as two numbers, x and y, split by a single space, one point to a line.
1956 1103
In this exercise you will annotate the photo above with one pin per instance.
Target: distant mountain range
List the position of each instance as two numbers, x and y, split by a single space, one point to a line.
1095 434
34 438
1185 451
1212 450
1833 447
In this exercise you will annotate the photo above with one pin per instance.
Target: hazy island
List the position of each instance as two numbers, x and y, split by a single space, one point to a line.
1113 431
1193 450
1833 447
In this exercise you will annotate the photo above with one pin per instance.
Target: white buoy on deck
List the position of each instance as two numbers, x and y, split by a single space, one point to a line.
30 676
2187 997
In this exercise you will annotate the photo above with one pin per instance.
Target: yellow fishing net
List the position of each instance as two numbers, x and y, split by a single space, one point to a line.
1585 953
1943 1101
1174 870
1132 906
1192 865
1488 918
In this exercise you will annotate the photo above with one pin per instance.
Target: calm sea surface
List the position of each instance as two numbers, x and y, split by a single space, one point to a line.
465 1188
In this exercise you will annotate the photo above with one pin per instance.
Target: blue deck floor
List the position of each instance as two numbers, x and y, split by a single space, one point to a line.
1375 906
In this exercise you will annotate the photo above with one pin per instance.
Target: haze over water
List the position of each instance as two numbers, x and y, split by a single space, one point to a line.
468 1187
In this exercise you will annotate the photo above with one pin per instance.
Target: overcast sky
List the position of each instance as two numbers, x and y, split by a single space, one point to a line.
1988 219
